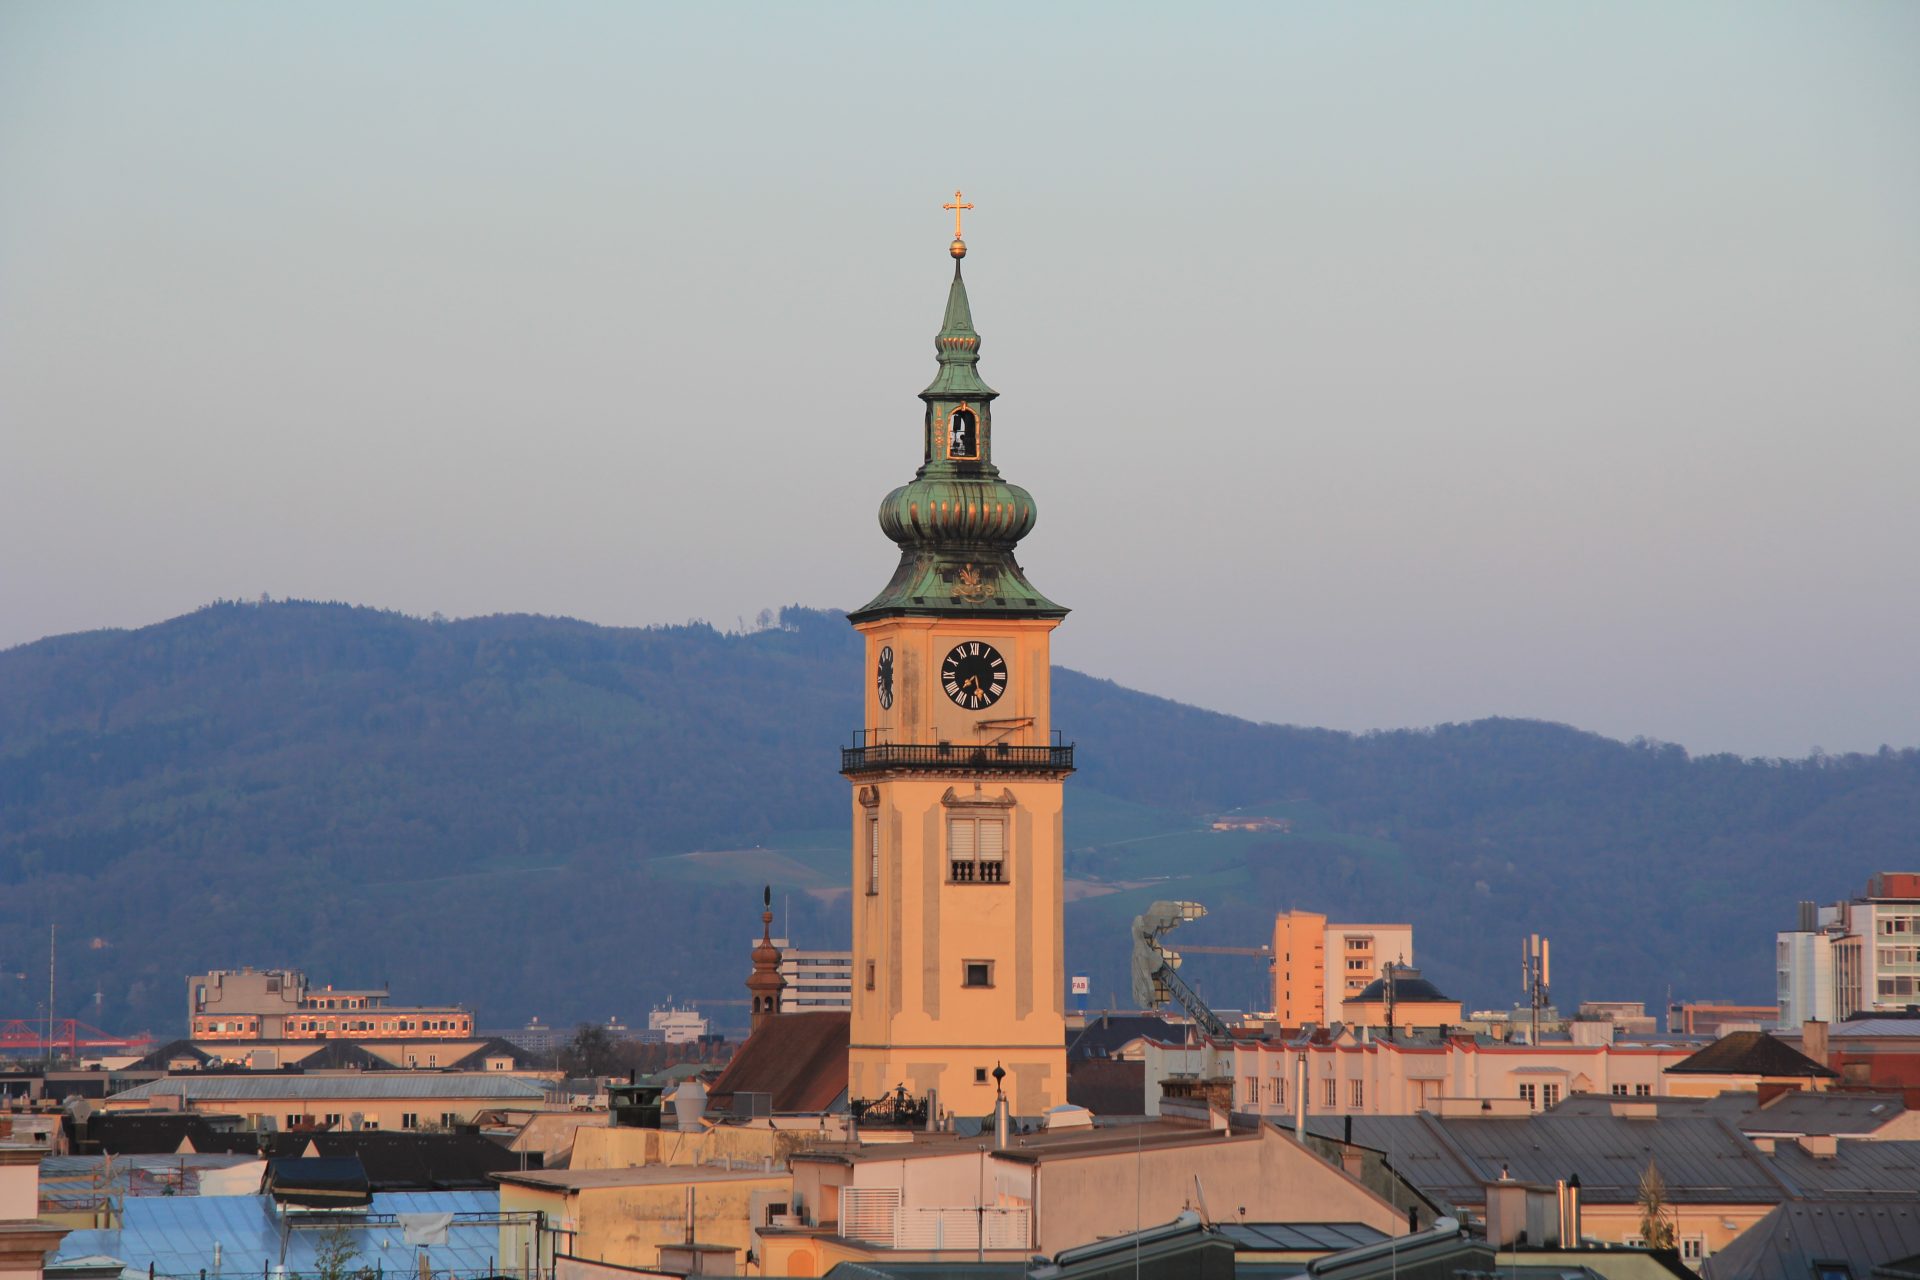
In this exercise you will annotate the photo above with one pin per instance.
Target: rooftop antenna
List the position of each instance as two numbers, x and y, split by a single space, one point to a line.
1536 978
53 932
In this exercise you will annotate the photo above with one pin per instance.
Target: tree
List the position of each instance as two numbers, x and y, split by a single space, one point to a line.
333 1259
1656 1221
592 1052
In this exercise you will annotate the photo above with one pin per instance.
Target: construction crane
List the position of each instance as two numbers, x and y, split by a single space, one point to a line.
18 1035
1156 968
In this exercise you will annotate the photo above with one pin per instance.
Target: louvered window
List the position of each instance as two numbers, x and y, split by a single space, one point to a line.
977 850
873 854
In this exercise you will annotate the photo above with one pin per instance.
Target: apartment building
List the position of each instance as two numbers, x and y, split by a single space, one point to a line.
280 1004
816 980
1318 967
1858 956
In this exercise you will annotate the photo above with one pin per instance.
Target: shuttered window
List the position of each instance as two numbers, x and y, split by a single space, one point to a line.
977 850
873 854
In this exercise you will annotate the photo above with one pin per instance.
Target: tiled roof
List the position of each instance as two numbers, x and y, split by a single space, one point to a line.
399 1084
800 1059
1786 1243
1750 1053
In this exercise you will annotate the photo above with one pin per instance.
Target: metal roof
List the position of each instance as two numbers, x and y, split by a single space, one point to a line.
176 1236
399 1084
1298 1236
1857 1168
1786 1243
1703 1160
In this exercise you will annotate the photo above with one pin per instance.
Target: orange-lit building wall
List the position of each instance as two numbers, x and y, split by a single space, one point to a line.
307 1024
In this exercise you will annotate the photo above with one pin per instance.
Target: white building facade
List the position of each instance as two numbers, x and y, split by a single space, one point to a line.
1857 956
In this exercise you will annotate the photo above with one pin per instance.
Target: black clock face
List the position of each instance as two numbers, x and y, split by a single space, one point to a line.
883 677
974 674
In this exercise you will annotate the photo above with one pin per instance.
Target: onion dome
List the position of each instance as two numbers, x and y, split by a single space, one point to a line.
957 522
765 984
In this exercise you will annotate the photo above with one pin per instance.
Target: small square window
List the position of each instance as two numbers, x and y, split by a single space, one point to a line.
979 973
979 1075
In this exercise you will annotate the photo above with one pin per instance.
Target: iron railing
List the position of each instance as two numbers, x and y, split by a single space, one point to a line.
957 757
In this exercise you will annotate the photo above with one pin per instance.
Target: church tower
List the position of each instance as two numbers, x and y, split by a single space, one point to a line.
957 895
766 984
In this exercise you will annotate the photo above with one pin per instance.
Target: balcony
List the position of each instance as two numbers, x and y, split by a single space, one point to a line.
956 757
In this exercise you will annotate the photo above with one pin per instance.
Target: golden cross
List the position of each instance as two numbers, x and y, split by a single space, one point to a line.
955 205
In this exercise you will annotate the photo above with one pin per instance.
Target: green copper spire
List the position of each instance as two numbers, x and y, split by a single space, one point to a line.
957 522
957 347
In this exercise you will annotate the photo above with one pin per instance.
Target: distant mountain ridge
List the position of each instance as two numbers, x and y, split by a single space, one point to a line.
539 815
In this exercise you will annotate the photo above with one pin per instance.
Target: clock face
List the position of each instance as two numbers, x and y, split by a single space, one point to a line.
883 677
974 674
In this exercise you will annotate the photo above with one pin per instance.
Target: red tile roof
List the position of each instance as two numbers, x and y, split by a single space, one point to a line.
798 1058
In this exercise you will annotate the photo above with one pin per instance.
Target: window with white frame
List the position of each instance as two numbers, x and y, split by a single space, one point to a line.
1530 1096
873 851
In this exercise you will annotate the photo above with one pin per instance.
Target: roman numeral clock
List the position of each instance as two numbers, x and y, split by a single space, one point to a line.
957 776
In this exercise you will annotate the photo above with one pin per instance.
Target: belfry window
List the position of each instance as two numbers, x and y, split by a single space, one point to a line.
977 850
963 434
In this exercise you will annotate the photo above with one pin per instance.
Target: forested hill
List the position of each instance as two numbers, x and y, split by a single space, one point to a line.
537 815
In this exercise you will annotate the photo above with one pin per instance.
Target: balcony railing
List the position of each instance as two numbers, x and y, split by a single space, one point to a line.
955 757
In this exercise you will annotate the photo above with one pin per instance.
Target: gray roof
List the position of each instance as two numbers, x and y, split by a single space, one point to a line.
1875 1029
1298 1237
176 1235
399 1084
1795 1112
1802 1111
1857 1168
1786 1243
1703 1159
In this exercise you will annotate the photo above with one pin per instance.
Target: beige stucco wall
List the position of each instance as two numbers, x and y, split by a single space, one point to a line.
918 1024
1276 1180
381 1113
624 1148
1080 1198
1400 1080
626 1226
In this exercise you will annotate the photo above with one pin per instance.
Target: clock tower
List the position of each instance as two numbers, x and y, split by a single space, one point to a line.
957 895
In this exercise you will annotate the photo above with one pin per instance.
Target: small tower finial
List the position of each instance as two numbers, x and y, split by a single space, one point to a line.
766 983
959 247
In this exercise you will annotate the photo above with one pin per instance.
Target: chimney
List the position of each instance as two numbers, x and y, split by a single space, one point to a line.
1813 1041
1300 1098
1821 1146
1570 1213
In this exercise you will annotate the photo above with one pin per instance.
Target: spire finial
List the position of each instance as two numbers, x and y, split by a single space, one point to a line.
959 247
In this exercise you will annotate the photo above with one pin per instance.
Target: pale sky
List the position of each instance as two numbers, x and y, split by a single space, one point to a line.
1372 365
